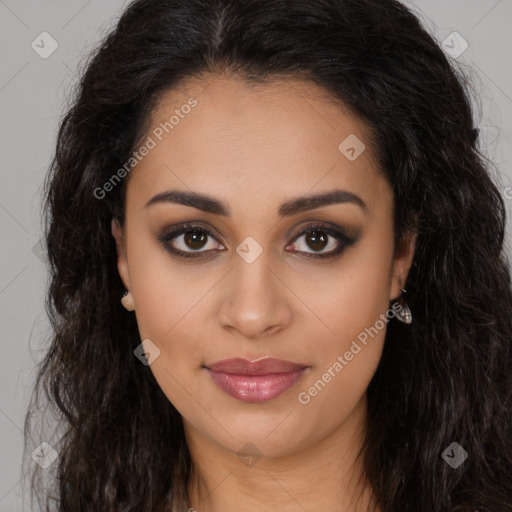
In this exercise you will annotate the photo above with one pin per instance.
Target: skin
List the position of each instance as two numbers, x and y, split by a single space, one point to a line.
255 148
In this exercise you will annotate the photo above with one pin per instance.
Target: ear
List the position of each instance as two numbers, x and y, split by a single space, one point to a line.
402 263
122 263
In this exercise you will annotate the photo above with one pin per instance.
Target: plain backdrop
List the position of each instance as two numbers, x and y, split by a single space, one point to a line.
33 93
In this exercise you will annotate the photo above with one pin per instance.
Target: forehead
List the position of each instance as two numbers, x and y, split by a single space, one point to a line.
245 142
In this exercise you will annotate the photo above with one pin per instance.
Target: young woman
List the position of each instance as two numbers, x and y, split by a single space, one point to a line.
278 279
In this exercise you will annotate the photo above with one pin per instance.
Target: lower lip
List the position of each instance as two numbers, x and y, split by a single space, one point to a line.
255 388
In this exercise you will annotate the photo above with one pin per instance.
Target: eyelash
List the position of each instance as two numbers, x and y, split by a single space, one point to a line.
343 239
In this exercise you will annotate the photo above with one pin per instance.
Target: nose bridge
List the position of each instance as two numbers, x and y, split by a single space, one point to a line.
255 299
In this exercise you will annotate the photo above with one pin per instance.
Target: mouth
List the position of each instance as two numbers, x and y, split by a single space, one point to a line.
255 381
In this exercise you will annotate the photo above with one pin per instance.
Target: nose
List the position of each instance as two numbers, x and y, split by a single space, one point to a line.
255 301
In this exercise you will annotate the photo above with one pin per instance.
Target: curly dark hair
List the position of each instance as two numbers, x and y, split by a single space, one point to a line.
446 377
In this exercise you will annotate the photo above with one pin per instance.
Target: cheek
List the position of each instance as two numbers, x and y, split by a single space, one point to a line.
162 286
346 361
351 326
349 296
169 302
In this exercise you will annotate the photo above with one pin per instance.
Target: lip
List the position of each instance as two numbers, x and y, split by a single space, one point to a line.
264 366
255 381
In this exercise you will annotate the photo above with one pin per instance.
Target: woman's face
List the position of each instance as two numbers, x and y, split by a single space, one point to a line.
255 285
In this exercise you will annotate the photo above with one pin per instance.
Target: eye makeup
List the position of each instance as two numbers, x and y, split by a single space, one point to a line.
195 233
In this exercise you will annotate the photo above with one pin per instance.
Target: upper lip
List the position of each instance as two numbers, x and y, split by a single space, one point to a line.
266 366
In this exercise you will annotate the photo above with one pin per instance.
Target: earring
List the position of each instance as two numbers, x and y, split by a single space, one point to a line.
403 313
127 301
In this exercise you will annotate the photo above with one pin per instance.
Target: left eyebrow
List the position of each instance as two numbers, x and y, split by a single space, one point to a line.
294 206
306 203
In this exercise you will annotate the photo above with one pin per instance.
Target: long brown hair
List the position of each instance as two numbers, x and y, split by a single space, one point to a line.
445 378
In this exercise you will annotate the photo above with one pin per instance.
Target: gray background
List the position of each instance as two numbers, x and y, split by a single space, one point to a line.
33 94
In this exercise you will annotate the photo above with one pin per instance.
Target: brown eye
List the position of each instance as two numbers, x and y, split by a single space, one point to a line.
321 239
195 239
317 240
189 241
